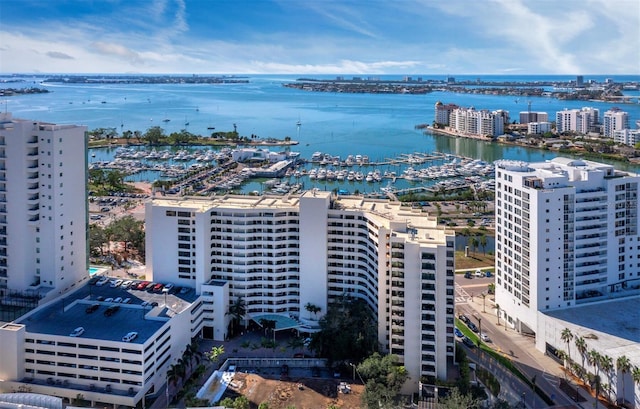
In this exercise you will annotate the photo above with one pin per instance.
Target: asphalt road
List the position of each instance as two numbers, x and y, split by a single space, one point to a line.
519 348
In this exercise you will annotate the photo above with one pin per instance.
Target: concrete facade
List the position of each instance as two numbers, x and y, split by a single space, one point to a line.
280 253
43 215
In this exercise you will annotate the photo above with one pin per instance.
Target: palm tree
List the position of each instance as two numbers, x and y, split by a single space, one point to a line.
635 374
312 309
593 357
237 311
606 364
623 364
567 336
581 345
483 243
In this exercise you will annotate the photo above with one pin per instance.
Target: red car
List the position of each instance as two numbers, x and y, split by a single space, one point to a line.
142 285
158 287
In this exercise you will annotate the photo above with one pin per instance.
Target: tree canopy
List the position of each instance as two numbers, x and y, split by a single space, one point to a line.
347 332
384 377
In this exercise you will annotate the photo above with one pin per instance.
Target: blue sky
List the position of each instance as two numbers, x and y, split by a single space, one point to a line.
321 36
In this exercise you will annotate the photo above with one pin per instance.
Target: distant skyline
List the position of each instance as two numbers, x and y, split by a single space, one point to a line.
454 37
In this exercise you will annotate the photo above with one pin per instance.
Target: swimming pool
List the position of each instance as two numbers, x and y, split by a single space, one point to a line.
93 270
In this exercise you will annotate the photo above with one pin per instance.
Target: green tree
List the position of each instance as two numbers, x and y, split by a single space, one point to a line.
347 331
312 309
635 374
567 336
114 179
241 402
269 325
237 311
154 135
483 243
98 239
215 353
581 346
384 377
473 242
97 177
457 400
624 365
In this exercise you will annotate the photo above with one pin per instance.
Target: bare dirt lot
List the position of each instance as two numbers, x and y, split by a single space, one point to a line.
303 393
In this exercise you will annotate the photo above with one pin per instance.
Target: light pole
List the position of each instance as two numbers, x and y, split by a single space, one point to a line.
354 371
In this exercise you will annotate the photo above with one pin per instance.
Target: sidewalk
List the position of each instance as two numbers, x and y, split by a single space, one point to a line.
532 363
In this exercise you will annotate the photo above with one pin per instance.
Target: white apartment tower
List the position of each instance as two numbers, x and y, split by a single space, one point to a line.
483 122
280 253
43 213
577 120
614 120
566 235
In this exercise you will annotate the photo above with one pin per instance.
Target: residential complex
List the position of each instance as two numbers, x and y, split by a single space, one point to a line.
577 120
538 128
614 120
529 116
280 253
43 213
627 136
443 112
566 239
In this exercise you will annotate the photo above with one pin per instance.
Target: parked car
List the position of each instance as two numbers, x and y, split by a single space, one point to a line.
130 337
472 327
489 274
77 332
93 280
110 299
92 308
126 300
118 299
111 310
468 274
157 288
102 281
126 284
479 274
468 342
485 337
464 318
457 332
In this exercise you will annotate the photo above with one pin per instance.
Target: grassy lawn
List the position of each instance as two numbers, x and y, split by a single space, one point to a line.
475 260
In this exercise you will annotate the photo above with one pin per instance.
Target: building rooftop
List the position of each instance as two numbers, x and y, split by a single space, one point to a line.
615 324
65 314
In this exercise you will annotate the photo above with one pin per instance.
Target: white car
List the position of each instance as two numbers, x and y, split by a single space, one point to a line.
485 337
126 284
110 299
116 283
77 332
130 337
479 273
102 281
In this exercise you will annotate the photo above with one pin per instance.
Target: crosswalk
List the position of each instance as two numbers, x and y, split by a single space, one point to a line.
462 296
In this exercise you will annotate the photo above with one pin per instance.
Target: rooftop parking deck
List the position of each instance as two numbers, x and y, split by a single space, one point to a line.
145 313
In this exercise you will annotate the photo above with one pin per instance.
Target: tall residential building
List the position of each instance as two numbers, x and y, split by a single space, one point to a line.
528 116
280 253
566 236
483 122
43 207
577 120
627 136
538 128
443 112
614 120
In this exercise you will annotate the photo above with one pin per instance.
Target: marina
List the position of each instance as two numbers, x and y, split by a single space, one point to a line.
193 170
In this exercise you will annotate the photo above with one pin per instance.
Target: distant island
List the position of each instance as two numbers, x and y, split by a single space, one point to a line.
565 90
146 79
9 92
